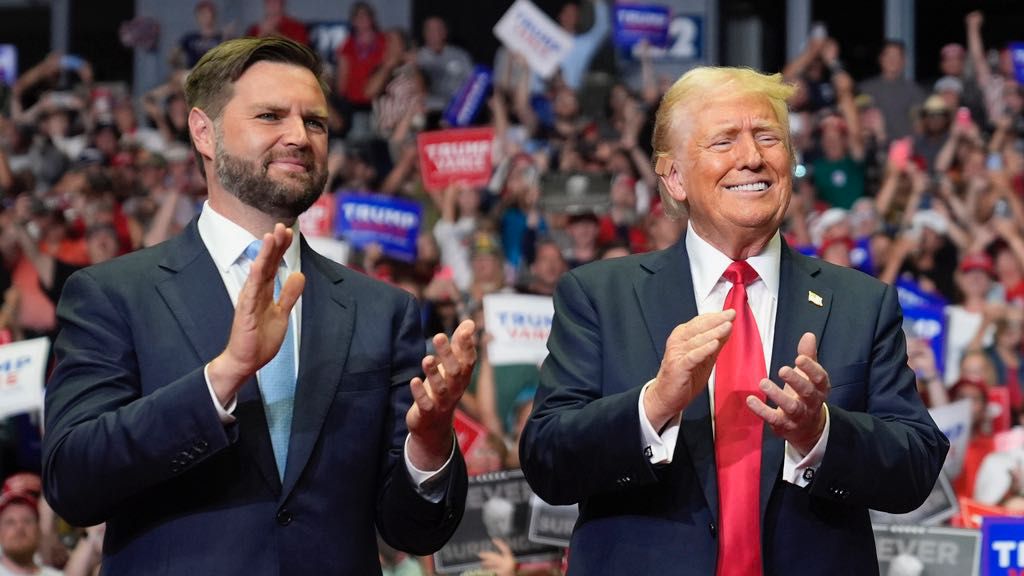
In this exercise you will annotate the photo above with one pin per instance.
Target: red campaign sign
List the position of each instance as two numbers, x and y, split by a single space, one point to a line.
469 432
318 220
1000 396
460 155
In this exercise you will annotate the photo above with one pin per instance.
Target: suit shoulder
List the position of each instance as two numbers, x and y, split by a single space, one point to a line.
846 280
134 265
616 269
357 280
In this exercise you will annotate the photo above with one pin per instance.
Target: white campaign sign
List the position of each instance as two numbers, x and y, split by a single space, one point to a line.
22 369
527 30
955 422
519 325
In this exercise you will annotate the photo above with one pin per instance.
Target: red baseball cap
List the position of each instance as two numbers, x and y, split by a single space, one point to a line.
977 261
12 498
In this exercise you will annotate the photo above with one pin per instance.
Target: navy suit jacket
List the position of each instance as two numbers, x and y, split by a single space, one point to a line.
583 441
133 437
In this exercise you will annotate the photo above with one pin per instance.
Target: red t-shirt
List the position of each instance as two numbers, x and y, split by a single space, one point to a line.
362 60
288 27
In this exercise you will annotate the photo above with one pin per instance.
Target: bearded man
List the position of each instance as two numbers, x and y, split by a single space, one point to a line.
231 402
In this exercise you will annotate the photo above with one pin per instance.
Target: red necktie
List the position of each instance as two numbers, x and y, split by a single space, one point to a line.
738 431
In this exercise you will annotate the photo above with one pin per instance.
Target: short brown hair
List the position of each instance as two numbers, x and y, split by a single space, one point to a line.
211 83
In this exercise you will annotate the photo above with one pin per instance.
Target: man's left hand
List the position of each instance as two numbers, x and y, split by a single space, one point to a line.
799 415
431 416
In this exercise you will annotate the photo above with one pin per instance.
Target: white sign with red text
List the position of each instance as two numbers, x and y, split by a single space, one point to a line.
527 30
22 370
519 325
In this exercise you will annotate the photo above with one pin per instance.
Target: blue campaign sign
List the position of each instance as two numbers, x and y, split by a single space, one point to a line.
634 22
470 98
923 316
1017 53
8 64
392 223
1002 546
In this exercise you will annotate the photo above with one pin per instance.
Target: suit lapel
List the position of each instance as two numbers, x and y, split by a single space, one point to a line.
196 295
666 300
328 320
803 306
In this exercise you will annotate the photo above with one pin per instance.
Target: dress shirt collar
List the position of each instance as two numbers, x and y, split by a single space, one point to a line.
712 264
226 240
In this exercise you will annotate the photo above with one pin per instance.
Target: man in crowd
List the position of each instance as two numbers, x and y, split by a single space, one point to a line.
896 96
20 535
654 411
221 424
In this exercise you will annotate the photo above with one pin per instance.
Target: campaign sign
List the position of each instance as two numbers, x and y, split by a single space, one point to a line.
392 223
497 506
635 22
923 316
526 29
550 524
318 219
519 325
940 505
1002 544
460 155
1017 53
8 64
954 420
22 369
684 42
470 97
468 431
933 551
326 37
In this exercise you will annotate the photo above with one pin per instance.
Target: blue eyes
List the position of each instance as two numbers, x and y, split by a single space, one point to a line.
317 125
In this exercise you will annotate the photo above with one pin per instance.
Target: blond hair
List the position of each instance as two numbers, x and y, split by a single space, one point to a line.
696 88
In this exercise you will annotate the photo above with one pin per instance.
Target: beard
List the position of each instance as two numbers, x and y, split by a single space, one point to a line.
284 198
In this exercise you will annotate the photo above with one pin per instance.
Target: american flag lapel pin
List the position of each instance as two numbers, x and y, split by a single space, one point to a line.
814 298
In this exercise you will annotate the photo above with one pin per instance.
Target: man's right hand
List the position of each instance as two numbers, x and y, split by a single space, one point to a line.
260 324
690 354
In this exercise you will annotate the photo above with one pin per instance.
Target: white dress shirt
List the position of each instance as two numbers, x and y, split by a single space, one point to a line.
226 243
707 265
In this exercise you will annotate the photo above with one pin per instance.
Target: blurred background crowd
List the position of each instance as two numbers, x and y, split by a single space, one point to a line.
919 183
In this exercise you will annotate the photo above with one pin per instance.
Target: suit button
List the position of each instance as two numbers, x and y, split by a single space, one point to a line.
186 456
199 446
712 529
284 517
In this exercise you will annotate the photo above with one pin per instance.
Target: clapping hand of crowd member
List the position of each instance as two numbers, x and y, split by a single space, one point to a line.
921 359
85 559
799 415
502 562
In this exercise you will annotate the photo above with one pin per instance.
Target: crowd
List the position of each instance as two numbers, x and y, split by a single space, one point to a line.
918 184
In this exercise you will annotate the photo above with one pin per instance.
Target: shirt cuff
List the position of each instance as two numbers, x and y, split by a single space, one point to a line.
430 485
657 447
800 469
223 412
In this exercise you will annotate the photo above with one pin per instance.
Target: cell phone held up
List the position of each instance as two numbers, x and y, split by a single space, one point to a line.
899 153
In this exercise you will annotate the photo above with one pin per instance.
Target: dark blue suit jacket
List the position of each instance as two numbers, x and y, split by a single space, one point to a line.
133 438
583 440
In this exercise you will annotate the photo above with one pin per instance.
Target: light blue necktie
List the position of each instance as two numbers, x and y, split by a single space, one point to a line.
277 381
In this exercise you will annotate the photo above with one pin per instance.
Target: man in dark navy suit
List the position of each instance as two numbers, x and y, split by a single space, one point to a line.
655 412
231 402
